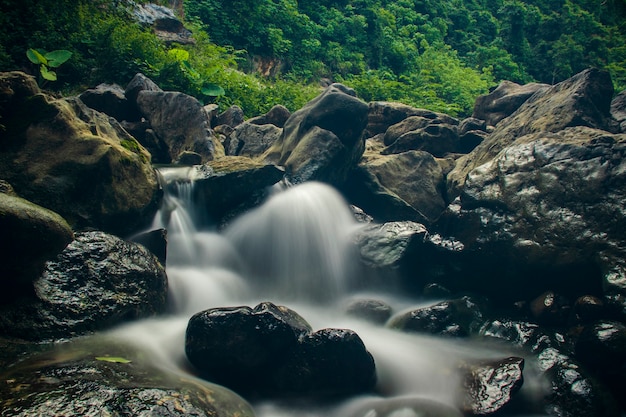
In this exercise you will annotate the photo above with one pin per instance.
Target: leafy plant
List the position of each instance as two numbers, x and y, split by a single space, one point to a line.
47 60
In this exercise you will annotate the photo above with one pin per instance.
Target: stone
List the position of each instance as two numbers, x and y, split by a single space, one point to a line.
437 139
323 140
550 309
456 318
504 101
96 282
383 114
111 99
582 100
601 346
189 158
155 241
138 84
180 121
232 116
80 163
490 386
164 22
31 235
251 140
375 311
277 116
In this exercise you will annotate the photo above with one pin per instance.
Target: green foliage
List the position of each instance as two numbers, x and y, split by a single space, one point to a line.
46 60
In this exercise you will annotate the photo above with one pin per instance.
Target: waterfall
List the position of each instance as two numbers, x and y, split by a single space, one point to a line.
296 250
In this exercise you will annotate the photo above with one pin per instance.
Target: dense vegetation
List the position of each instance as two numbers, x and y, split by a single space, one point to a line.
438 54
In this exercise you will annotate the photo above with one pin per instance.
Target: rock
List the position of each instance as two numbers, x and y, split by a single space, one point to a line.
382 115
403 406
180 121
327 363
601 346
6 188
324 139
251 140
618 110
89 377
148 139
406 186
432 135
471 123
232 116
588 308
155 241
138 84
31 235
583 100
189 158
80 163
470 140
96 282
164 22
550 309
490 386
458 318
546 215
374 311
111 99
231 185
277 116
504 101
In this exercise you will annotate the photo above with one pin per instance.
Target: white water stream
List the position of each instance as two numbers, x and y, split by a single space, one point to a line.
295 250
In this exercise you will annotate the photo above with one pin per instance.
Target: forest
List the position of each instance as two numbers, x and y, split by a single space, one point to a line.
435 54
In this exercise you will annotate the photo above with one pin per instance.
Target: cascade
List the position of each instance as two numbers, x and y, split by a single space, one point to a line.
296 250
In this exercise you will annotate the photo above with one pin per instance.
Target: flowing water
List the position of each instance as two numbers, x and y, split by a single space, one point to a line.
296 250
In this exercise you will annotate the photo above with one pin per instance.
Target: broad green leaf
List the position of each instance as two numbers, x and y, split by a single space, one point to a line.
178 54
35 57
191 70
47 74
212 90
56 58
114 359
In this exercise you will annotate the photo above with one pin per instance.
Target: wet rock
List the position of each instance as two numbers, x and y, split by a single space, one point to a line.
96 282
324 139
546 215
100 376
180 121
232 116
189 158
31 235
504 101
589 308
111 99
550 308
601 347
518 333
82 164
583 100
155 241
251 140
270 350
277 116
459 318
374 311
491 386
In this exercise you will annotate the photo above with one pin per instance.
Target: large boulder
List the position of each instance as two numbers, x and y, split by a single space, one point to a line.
324 139
549 207
504 100
583 100
383 114
180 121
31 235
270 350
82 164
251 140
100 376
96 282
111 99
618 110
437 136
164 22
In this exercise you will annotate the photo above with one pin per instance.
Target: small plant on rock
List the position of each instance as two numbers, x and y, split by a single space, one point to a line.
47 60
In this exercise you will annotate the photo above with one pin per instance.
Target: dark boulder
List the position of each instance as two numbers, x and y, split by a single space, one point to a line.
490 386
101 376
111 99
458 318
155 241
96 282
550 309
504 101
251 140
232 116
375 311
180 121
277 116
618 110
80 163
324 139
601 347
138 84
270 350
164 22
382 115
31 235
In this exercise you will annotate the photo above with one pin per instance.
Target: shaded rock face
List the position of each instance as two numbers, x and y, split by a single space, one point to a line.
583 100
96 282
270 350
504 100
550 202
251 140
618 110
75 161
164 23
420 133
323 140
105 377
110 99
31 235
180 121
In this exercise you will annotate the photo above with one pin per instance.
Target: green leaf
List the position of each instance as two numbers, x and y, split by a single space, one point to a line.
191 70
56 58
212 90
47 74
178 54
114 359
35 57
